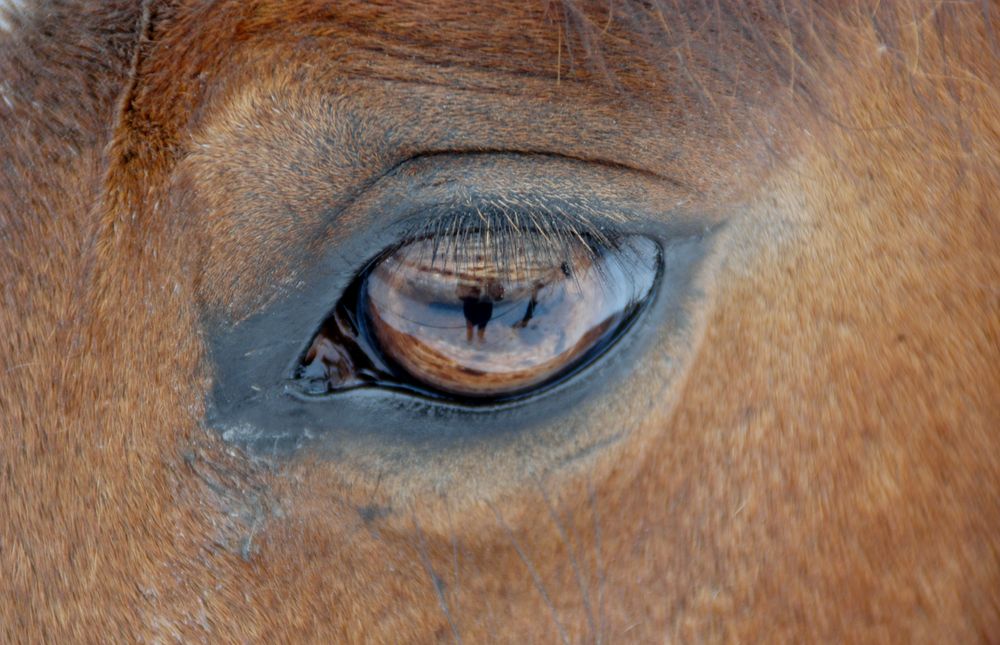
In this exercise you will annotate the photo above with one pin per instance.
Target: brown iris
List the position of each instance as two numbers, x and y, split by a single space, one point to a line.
473 319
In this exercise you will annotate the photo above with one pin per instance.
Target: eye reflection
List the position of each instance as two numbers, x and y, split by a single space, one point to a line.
477 318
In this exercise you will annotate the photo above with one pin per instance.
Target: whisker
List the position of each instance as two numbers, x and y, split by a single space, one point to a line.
598 560
574 563
438 587
454 547
536 579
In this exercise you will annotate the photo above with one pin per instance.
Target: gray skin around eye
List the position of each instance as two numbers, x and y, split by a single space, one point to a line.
254 403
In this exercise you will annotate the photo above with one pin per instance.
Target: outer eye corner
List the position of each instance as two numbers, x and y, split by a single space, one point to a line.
478 317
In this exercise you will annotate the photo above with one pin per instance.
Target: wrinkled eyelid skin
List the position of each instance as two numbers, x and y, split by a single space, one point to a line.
253 358
406 198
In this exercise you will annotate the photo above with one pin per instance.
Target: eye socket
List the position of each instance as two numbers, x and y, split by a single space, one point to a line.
481 315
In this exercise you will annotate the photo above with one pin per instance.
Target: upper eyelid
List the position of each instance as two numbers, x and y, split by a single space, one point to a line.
540 155
427 193
354 217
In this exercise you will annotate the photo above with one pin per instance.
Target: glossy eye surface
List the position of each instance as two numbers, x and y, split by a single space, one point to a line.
470 317
473 326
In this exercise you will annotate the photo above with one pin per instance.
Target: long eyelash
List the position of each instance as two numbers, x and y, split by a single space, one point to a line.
514 234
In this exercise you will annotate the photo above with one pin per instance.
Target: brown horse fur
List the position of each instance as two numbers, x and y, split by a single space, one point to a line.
819 461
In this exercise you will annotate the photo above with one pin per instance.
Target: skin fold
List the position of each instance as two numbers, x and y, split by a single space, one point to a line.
798 442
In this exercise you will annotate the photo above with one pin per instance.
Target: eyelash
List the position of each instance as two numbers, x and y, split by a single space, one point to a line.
515 233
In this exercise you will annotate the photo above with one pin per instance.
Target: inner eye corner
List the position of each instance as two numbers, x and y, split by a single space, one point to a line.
478 316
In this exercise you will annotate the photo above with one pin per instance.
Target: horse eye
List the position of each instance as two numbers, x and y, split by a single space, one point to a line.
470 317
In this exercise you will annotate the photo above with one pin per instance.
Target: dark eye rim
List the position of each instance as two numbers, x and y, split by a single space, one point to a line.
249 354
254 410
396 378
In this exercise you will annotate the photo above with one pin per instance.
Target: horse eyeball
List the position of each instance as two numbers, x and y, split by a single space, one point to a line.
471 324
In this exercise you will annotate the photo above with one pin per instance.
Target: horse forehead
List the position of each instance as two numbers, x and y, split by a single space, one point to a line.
552 38
582 65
